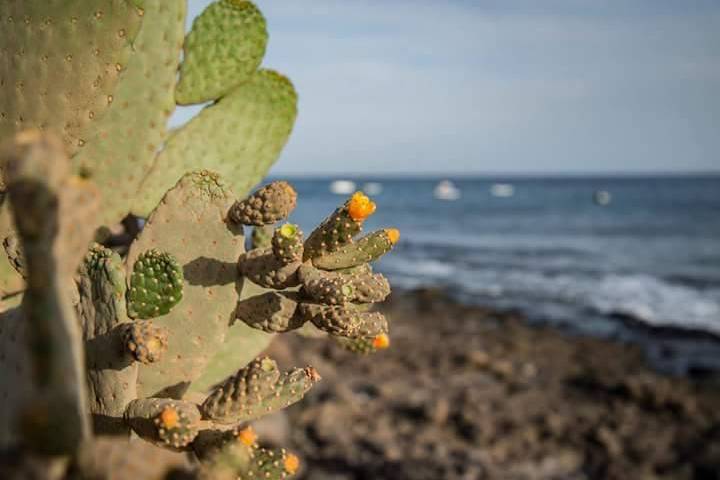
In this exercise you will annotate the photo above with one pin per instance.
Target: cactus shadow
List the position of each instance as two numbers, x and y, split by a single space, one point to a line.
208 272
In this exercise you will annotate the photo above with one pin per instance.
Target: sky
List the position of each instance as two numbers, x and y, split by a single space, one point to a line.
497 86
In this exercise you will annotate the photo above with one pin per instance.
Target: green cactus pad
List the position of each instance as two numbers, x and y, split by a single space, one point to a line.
121 147
257 390
236 460
346 320
272 312
340 227
59 63
156 285
225 46
145 342
261 237
111 380
364 250
287 243
337 288
263 268
267 206
190 224
240 137
173 423
363 346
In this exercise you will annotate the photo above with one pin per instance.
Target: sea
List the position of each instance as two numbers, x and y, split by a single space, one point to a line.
631 258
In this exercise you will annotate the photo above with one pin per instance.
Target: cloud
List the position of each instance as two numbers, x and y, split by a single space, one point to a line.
419 86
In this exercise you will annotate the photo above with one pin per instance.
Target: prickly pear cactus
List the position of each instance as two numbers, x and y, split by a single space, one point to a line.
162 338
101 75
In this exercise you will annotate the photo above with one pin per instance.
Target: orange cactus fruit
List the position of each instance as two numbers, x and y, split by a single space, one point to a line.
360 207
381 342
247 436
169 418
291 463
393 235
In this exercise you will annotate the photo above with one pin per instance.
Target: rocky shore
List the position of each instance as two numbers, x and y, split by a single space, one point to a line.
469 393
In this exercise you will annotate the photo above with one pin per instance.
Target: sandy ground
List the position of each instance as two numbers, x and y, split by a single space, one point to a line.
468 393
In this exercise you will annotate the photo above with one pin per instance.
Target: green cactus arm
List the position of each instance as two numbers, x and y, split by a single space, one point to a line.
347 320
55 420
287 243
121 147
111 377
262 267
366 249
272 312
240 137
61 61
225 46
237 459
163 421
267 206
257 390
156 285
364 346
337 288
340 227
190 224
261 237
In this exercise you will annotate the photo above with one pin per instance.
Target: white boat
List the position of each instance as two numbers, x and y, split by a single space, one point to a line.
342 187
602 197
502 190
446 190
372 188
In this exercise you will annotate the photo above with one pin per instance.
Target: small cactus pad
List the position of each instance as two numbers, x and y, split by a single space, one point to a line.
13 249
156 285
364 346
271 312
287 243
337 288
346 320
263 268
238 461
261 237
145 342
269 205
272 464
173 423
364 250
224 47
257 390
340 227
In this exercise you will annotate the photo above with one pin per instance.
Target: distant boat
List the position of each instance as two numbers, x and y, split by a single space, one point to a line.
342 187
372 188
503 190
446 190
602 197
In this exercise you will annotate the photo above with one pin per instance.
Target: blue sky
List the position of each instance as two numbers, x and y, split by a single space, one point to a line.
481 87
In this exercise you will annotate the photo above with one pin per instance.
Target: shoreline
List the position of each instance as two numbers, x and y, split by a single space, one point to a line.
467 392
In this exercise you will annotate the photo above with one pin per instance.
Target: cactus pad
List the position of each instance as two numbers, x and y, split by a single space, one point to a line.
240 137
263 268
257 390
224 47
364 250
287 243
156 285
172 423
272 312
145 342
346 320
269 205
